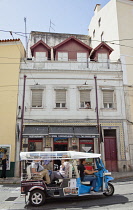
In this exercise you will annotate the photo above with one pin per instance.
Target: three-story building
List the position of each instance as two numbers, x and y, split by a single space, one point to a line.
63 73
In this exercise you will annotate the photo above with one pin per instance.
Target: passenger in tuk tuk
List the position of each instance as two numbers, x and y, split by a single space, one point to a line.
85 174
39 172
62 173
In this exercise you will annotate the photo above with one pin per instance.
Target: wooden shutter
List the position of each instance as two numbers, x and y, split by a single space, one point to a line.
37 98
103 59
84 95
41 56
60 96
108 96
82 57
62 56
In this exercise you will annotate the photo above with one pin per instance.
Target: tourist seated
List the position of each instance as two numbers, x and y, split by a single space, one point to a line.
85 175
39 172
62 173
47 164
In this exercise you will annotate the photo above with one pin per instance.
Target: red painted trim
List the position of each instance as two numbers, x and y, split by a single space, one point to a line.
103 44
39 42
34 140
72 38
61 143
86 142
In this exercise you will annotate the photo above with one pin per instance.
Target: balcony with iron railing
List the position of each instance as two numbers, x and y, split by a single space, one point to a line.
90 65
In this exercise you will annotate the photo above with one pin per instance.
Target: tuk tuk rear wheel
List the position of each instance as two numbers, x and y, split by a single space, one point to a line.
110 190
37 197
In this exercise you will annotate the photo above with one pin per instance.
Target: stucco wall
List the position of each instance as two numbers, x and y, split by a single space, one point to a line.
9 71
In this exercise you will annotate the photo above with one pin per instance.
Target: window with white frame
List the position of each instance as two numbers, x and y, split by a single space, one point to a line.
108 99
99 22
82 57
85 99
41 56
37 97
60 98
103 59
102 36
62 56
94 33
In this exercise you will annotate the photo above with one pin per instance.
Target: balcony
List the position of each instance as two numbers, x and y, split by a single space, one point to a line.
70 65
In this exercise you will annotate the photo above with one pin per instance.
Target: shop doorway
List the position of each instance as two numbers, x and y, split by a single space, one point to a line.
35 145
87 145
60 144
110 148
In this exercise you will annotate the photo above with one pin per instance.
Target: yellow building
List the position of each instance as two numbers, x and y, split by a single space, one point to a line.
11 53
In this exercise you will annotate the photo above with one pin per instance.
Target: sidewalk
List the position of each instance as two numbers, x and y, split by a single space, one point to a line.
115 175
10 180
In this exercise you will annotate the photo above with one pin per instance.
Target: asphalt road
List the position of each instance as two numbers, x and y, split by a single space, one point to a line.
122 199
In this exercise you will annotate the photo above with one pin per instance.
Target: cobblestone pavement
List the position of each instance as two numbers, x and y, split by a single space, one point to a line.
10 198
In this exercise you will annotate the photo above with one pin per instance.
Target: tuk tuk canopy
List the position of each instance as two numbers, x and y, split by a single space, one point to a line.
56 155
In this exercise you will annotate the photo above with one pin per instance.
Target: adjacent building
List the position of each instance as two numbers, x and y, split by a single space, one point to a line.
62 75
113 25
11 53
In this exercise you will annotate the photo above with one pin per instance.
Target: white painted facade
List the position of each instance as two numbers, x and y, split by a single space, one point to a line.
116 24
73 77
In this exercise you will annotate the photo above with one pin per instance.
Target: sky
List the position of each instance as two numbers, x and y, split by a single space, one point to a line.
67 16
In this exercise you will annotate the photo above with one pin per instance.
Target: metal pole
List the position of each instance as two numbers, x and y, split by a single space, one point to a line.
22 114
97 114
25 37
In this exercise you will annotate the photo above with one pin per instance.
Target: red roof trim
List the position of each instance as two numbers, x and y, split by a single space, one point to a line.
103 44
72 38
9 40
40 42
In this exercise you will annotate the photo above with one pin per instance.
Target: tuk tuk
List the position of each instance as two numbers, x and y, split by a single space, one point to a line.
38 191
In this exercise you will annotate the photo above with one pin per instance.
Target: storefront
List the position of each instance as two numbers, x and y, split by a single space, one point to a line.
59 138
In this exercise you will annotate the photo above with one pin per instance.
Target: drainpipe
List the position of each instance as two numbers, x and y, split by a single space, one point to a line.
22 114
97 114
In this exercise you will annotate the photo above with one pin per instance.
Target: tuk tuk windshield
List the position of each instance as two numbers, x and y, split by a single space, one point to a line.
56 155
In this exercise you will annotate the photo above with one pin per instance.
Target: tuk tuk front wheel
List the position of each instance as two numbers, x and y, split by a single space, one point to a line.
37 197
110 190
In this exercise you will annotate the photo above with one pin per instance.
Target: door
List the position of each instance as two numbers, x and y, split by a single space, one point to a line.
60 144
35 145
110 153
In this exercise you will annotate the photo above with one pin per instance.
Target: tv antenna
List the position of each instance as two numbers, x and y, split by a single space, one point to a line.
26 43
51 26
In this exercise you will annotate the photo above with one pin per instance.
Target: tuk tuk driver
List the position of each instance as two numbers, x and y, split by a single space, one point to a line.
84 174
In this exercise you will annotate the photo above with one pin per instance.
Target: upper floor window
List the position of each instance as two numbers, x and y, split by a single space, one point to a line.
102 36
82 57
103 59
41 56
99 22
62 56
60 98
85 99
93 33
37 97
108 99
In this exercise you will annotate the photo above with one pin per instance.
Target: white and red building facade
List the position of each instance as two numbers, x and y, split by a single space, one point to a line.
60 101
